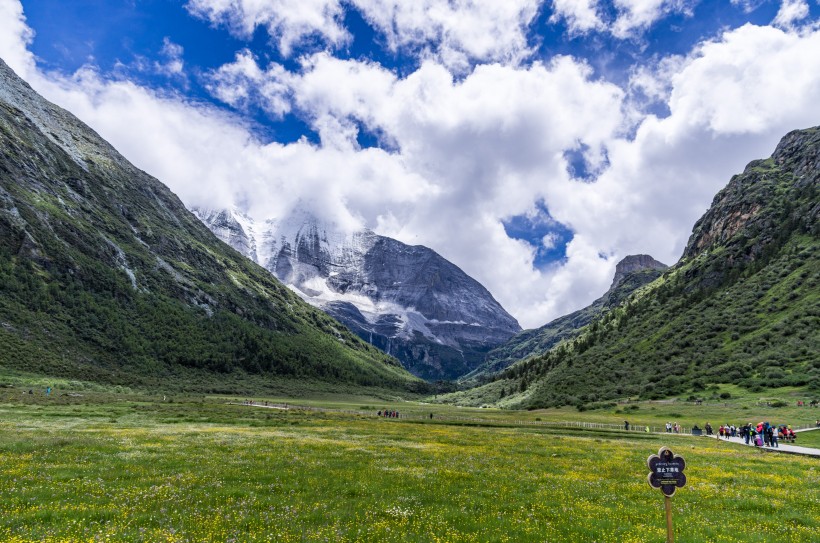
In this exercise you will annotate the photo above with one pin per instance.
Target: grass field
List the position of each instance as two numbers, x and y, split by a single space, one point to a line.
113 467
809 439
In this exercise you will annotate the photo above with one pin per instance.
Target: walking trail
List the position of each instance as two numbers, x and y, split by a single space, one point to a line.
782 447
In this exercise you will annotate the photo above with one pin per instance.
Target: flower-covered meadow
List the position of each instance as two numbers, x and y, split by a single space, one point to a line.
342 478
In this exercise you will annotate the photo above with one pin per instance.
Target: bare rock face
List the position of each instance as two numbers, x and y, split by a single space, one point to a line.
406 300
741 223
738 207
633 263
228 228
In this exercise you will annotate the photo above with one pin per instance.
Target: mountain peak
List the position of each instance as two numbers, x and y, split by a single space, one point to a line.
632 264
407 300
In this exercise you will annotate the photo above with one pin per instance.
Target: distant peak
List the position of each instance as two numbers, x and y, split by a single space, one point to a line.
632 264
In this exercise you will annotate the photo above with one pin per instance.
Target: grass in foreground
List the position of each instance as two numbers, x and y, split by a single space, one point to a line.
125 470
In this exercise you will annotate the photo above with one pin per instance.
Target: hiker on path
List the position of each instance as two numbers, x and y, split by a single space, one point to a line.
773 437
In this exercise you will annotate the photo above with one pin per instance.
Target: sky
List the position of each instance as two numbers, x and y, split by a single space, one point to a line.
533 143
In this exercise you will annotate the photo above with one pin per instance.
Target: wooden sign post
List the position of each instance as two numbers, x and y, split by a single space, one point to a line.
666 473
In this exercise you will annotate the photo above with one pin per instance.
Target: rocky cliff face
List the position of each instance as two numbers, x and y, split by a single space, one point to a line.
738 206
631 273
634 263
750 219
406 300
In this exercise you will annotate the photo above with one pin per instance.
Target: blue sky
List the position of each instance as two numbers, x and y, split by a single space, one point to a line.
120 36
532 142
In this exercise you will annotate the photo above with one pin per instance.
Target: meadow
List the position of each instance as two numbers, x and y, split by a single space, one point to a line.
106 466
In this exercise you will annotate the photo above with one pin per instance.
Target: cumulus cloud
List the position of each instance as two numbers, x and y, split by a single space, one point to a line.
454 31
634 16
751 80
288 22
581 16
492 143
174 65
748 6
242 84
730 101
15 36
550 241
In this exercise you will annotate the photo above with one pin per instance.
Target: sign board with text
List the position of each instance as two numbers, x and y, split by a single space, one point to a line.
666 471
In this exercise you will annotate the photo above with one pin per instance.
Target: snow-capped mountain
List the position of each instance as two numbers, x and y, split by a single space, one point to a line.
407 300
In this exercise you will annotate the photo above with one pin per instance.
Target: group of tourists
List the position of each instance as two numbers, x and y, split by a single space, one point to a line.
391 414
762 434
254 402
673 427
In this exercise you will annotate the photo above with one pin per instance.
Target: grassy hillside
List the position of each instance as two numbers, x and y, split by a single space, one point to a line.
105 276
540 340
741 307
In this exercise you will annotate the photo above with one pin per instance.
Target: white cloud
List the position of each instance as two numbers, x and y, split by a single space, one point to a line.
454 31
174 65
15 36
581 16
748 6
790 12
550 241
753 80
243 83
492 144
730 102
288 22
635 16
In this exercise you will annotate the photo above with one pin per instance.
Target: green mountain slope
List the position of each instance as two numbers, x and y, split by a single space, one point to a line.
105 276
632 273
742 306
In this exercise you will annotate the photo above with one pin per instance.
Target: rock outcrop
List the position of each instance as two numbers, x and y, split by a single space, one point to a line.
634 263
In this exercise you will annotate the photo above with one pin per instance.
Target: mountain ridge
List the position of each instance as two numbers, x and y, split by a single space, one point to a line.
631 273
105 274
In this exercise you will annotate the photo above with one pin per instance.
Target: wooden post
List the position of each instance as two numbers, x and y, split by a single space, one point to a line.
670 533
